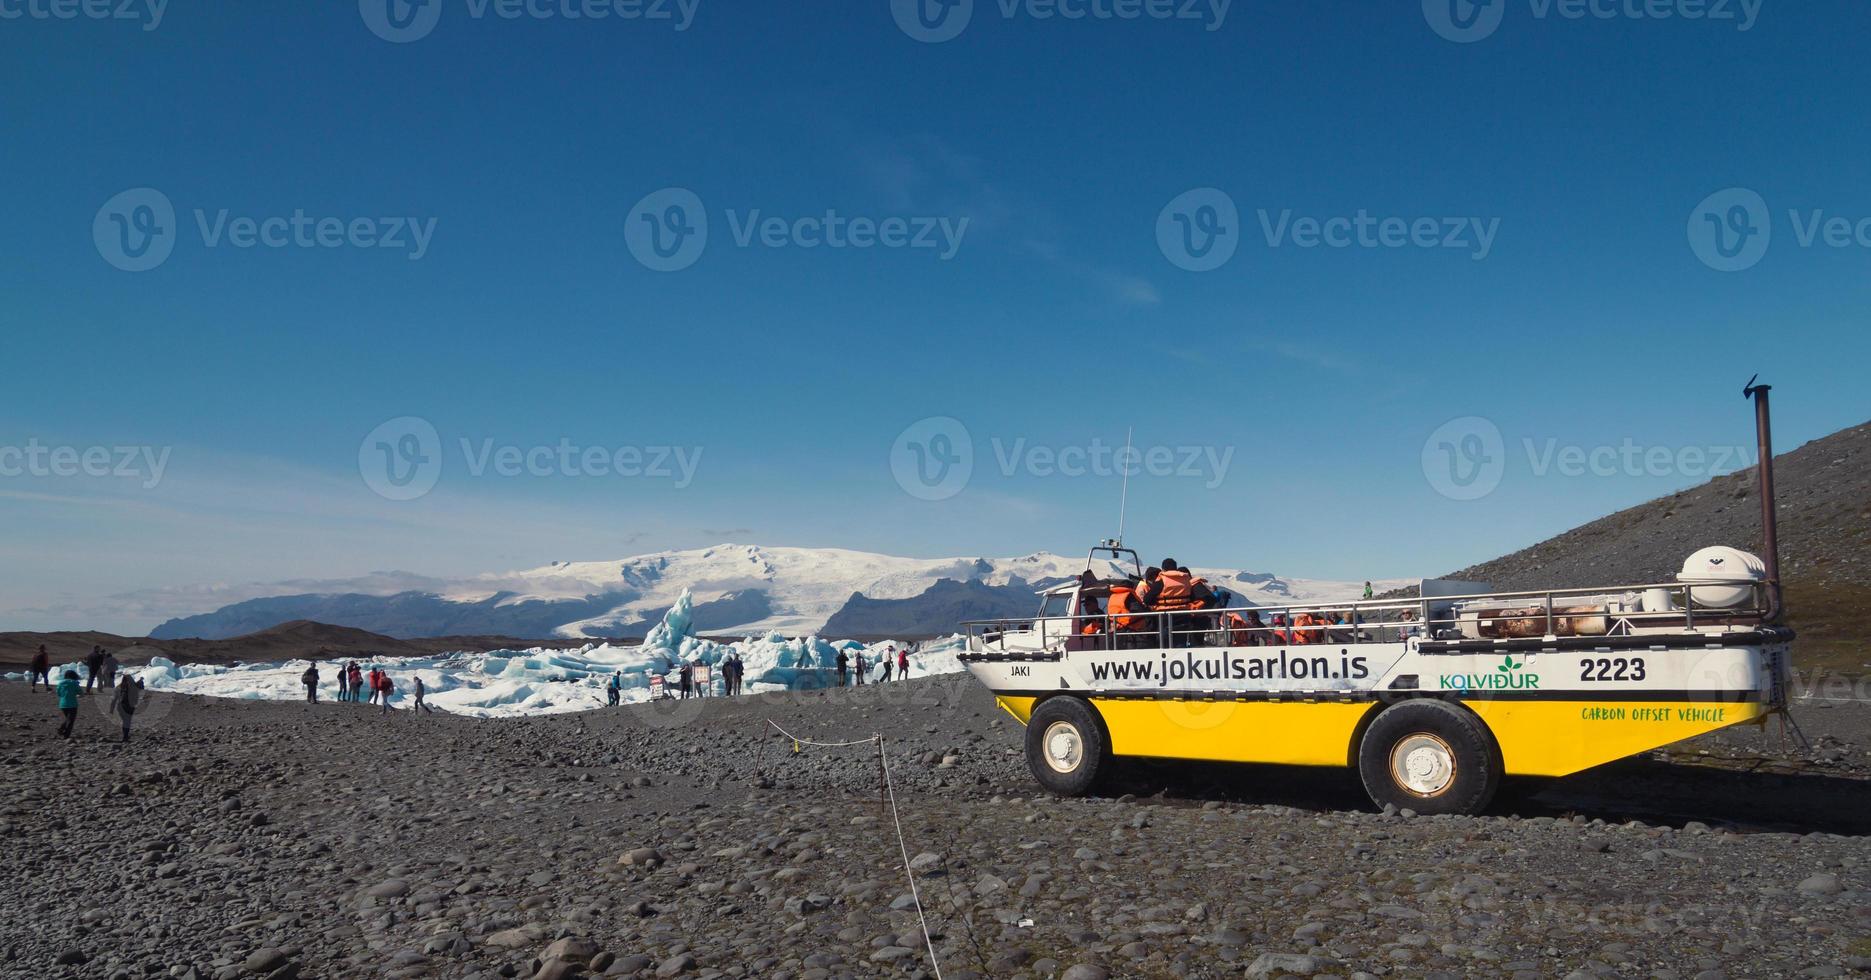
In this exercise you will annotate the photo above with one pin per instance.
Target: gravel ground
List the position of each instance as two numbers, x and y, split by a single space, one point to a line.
271 839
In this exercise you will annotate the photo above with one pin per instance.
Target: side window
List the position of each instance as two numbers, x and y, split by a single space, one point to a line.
1056 606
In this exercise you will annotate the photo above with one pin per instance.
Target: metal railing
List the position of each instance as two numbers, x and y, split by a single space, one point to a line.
1490 615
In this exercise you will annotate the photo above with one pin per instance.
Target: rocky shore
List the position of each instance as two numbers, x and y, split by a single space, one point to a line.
274 839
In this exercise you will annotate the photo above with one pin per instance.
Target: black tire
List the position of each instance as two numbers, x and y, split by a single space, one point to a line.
1431 757
1067 746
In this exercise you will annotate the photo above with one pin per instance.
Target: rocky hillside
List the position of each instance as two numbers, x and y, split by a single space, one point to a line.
1824 508
1824 490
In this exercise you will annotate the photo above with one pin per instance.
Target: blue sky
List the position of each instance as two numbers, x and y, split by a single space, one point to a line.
1589 146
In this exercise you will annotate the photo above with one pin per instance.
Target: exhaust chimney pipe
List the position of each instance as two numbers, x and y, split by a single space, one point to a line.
1770 536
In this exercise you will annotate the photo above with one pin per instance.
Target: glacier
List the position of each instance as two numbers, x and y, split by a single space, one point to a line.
541 681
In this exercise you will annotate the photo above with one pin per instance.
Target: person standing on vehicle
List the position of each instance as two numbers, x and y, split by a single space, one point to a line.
310 680
1367 590
124 702
41 669
68 702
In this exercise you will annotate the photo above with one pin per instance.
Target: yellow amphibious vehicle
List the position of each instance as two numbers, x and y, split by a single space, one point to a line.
1432 698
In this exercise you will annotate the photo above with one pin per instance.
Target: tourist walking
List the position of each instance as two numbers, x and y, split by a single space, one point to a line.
93 668
385 688
310 680
110 669
903 664
41 669
68 702
124 702
420 690
890 661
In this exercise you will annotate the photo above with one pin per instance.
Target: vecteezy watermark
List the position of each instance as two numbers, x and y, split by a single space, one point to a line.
403 21
402 459
668 229
148 13
935 21
144 464
137 230
934 459
1199 230
1730 230
1468 21
1466 459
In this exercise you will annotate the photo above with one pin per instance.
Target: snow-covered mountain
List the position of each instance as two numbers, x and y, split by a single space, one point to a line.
738 589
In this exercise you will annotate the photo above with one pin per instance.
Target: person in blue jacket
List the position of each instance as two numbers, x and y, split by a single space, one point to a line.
68 702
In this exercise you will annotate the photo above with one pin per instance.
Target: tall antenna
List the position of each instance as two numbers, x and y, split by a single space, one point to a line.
1123 501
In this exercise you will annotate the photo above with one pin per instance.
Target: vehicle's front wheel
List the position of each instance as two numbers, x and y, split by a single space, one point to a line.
1067 746
1431 757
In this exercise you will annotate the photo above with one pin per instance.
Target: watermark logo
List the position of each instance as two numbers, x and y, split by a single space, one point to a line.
400 21
1464 21
149 13
1199 230
667 230
933 459
1731 229
932 21
35 459
401 459
1468 21
135 231
935 21
404 21
1465 458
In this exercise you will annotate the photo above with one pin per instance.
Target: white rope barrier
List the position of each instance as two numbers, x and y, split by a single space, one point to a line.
883 759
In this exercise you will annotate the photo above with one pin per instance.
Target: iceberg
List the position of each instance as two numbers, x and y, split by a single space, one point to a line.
542 681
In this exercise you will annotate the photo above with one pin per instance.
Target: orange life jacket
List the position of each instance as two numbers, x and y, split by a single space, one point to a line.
1175 592
1120 607
1303 635
1238 633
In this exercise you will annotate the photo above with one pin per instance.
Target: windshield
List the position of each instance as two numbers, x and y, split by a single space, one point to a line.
1056 606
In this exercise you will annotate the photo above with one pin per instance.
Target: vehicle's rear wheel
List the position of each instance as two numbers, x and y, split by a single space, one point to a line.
1431 757
1067 746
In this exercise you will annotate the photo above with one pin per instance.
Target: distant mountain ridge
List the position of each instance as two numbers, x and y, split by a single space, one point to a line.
738 589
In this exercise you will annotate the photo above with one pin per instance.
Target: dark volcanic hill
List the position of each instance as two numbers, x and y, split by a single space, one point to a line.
286 641
1824 491
1824 514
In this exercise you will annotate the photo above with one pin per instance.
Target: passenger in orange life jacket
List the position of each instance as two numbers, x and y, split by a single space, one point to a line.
1119 610
1177 590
